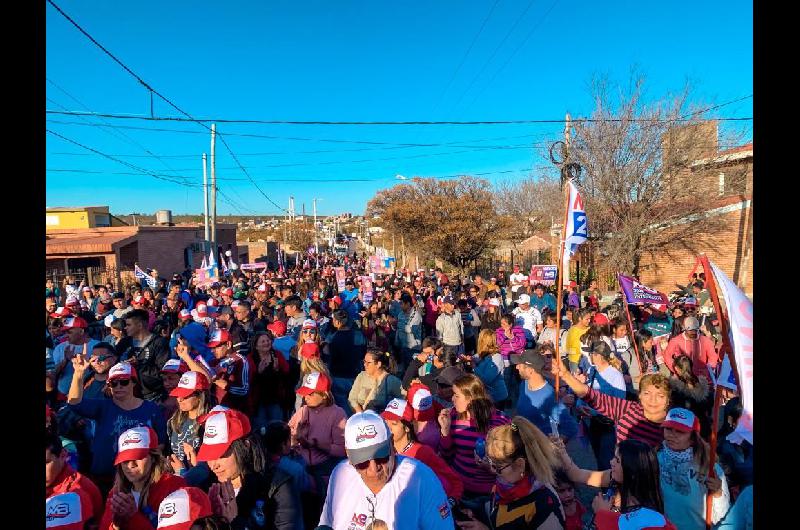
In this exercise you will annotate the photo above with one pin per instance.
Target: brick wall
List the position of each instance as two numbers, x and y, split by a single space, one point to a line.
162 248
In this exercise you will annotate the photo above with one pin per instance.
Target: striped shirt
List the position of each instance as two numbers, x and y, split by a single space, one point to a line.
628 417
459 450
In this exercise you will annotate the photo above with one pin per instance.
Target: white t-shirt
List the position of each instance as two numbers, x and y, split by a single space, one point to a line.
516 280
528 320
65 379
413 499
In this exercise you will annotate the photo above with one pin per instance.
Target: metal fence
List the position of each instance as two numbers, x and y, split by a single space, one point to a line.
118 277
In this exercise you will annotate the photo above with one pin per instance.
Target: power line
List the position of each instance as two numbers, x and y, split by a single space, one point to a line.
494 53
167 178
318 122
464 58
154 91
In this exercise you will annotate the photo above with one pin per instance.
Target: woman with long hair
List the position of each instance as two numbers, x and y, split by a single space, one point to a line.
522 460
251 492
684 458
648 354
692 392
141 481
318 429
490 319
633 499
376 327
376 385
271 383
489 366
464 427
399 417
194 400
604 377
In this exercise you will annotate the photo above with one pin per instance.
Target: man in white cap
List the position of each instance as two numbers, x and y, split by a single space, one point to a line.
529 318
375 484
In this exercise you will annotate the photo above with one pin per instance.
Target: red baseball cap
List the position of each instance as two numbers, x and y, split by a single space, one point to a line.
185 314
278 328
190 383
174 366
338 300
600 318
220 336
682 420
68 511
75 322
221 430
212 302
121 371
135 443
397 409
181 508
226 291
314 382
61 312
310 350
138 300
420 400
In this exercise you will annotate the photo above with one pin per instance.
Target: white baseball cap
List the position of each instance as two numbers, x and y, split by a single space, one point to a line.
366 437
135 443
68 511
397 409
181 508
524 299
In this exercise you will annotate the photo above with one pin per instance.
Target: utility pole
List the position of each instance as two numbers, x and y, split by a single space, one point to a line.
205 206
316 242
213 191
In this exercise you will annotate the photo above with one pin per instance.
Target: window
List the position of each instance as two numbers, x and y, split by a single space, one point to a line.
102 220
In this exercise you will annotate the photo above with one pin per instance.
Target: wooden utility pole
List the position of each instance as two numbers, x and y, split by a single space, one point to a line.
561 271
213 191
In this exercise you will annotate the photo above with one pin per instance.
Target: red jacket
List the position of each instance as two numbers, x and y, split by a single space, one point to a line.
139 521
700 351
451 481
70 480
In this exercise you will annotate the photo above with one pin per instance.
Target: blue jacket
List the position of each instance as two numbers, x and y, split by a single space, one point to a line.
488 372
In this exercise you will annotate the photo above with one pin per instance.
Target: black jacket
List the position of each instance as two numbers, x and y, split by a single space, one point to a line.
281 504
148 360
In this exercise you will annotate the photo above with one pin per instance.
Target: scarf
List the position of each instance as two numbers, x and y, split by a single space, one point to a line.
678 457
506 493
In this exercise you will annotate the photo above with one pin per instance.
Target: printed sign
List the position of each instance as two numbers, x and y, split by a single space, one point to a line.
340 278
544 274
637 293
252 266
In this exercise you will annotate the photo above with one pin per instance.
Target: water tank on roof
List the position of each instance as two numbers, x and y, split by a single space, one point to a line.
164 217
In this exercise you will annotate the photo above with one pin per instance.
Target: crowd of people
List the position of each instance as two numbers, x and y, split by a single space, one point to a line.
414 400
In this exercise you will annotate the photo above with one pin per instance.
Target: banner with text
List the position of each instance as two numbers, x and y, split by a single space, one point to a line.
637 293
544 274
340 278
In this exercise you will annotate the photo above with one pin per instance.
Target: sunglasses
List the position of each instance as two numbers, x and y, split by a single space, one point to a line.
378 461
100 358
309 331
119 382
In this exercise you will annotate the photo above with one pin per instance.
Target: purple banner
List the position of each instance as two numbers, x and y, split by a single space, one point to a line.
637 293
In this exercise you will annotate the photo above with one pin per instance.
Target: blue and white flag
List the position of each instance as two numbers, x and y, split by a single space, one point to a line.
139 273
204 264
575 232
281 266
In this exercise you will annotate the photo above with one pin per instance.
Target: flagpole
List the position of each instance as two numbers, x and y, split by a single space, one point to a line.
560 287
726 349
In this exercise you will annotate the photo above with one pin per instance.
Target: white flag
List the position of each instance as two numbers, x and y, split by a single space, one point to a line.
740 323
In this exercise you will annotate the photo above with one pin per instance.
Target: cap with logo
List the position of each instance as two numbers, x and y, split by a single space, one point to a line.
108 320
212 302
420 399
68 511
75 322
262 288
226 291
494 302
221 429
366 437
135 443
310 350
221 336
174 366
309 324
314 382
61 312
185 314
121 371
524 299
138 300
682 420
190 383
397 410
201 311
181 508
214 410
529 358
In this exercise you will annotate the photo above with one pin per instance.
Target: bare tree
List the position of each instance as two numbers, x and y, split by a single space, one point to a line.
530 205
642 194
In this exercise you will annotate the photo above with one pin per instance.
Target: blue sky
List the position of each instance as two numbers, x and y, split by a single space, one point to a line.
354 61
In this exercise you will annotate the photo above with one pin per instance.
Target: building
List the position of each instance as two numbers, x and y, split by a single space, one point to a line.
80 217
108 252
